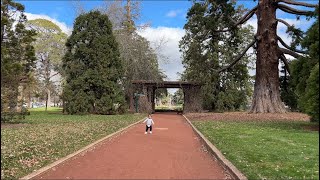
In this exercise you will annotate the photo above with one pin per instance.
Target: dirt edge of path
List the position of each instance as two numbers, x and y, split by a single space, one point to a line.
224 162
82 150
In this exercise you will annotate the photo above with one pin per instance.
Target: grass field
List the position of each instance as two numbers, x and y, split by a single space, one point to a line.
163 107
266 150
45 137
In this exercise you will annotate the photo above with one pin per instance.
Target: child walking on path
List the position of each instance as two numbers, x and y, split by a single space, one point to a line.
149 124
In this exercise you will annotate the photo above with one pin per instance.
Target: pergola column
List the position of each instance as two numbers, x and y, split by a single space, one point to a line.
145 103
192 99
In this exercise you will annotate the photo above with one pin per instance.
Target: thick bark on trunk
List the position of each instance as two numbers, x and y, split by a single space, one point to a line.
29 99
266 97
48 100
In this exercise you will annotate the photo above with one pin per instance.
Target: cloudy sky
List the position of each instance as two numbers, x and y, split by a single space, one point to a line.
167 20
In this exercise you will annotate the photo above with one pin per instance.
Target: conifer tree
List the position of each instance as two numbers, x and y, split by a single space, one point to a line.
17 54
266 95
92 67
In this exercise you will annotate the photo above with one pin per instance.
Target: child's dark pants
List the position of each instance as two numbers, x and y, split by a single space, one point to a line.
148 128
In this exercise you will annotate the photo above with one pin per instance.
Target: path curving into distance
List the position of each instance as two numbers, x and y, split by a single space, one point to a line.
173 151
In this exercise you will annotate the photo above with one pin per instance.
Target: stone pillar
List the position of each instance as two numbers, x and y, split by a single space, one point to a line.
153 99
131 100
145 105
192 99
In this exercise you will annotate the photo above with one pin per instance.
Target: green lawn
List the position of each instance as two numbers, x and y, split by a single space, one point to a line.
49 136
266 150
163 107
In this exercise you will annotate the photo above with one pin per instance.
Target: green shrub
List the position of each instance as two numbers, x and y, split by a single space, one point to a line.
312 94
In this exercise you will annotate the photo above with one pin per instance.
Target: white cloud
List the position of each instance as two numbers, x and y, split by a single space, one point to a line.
170 48
172 36
62 25
173 13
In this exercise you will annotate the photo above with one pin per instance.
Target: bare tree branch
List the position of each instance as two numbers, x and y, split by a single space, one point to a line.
288 47
78 7
287 51
298 3
238 57
284 22
293 11
53 75
285 61
242 20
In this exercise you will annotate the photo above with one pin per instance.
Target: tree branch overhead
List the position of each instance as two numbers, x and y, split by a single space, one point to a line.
238 57
285 61
293 10
298 3
288 47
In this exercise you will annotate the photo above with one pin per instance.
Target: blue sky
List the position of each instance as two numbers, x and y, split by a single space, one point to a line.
160 13
167 20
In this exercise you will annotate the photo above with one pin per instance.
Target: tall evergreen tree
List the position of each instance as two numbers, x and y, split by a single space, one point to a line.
204 50
92 67
17 53
266 96
305 74
140 61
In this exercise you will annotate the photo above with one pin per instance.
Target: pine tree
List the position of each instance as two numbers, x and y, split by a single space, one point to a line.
305 74
204 50
266 95
92 67
17 54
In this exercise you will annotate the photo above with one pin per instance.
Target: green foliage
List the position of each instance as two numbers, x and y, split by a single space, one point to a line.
45 24
17 54
139 60
178 97
312 94
92 67
14 117
304 78
287 91
266 150
205 51
49 48
48 136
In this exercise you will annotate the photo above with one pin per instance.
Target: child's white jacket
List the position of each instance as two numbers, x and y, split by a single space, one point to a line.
149 122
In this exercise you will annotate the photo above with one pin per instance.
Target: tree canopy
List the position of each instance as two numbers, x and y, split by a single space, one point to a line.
17 53
205 51
304 78
266 96
49 48
92 67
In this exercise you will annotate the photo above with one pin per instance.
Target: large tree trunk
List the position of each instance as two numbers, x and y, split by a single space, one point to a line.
266 97
29 98
48 100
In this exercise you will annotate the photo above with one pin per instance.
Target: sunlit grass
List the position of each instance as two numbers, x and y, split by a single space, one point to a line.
165 107
266 150
49 136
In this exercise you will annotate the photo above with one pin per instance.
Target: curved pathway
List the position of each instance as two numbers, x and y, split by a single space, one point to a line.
173 151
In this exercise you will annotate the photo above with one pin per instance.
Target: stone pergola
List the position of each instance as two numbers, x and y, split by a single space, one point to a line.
146 89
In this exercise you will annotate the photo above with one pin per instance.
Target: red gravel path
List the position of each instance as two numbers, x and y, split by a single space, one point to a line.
173 153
